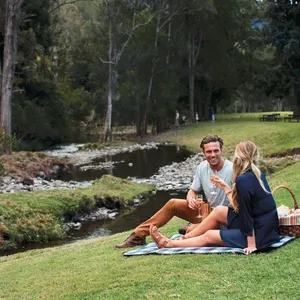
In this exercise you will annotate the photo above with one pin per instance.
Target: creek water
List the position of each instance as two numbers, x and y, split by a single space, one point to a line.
139 163
145 163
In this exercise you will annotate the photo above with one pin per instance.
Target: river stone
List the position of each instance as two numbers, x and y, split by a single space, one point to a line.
113 215
28 181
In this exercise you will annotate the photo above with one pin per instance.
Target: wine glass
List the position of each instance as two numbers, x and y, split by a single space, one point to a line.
199 199
213 187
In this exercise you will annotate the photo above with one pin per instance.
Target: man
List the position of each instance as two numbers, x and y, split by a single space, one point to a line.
188 209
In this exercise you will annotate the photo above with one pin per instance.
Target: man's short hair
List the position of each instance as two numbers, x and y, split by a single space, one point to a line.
211 139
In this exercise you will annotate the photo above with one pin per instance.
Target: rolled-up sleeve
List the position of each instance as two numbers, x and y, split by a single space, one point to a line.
245 211
196 185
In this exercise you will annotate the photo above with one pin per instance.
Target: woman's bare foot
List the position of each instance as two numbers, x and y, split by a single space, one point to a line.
160 240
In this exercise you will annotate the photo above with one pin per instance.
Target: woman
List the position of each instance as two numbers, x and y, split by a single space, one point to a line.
252 221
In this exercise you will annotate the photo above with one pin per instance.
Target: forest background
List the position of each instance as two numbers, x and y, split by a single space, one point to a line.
69 66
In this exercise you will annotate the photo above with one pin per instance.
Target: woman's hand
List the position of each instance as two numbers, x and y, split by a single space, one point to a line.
220 183
249 250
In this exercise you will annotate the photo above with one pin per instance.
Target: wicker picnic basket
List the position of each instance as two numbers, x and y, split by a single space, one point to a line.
294 228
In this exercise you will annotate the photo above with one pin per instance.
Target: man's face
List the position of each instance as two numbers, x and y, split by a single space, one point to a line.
213 153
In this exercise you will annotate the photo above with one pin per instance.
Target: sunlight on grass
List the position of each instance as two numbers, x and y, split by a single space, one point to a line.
271 137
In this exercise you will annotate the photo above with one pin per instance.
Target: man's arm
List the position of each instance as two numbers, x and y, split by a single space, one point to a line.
191 199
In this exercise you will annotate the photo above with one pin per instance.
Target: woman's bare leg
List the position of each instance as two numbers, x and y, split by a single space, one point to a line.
213 221
209 238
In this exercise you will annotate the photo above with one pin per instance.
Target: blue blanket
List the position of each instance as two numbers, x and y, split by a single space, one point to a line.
151 248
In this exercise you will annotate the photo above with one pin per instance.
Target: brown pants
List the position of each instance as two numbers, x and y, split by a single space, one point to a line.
174 207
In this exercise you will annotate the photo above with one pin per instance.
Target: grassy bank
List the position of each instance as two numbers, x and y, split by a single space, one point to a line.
93 269
37 217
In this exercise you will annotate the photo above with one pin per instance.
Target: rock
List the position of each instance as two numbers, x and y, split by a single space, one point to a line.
136 202
28 181
42 175
113 215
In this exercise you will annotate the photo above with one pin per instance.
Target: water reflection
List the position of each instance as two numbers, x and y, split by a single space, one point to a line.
140 163
127 221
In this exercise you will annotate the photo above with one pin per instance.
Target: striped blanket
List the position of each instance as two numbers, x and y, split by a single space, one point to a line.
151 248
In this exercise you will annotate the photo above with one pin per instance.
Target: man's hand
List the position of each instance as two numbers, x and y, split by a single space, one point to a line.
191 200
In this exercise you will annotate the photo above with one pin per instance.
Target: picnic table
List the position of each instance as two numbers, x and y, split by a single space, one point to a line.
270 118
293 117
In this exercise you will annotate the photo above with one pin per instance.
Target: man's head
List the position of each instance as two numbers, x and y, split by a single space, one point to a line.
212 150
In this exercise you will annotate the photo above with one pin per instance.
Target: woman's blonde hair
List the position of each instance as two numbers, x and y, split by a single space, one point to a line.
245 157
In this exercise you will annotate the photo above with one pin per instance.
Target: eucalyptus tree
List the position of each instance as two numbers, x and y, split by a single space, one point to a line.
12 20
120 32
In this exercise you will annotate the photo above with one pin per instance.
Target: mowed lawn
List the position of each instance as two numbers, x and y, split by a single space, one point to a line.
93 269
271 137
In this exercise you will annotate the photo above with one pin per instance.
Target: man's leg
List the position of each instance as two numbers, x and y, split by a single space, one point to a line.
174 207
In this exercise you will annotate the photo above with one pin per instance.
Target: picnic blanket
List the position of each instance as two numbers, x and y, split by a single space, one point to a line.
151 248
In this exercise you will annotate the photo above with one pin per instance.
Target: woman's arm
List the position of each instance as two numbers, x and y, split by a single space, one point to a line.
251 244
224 186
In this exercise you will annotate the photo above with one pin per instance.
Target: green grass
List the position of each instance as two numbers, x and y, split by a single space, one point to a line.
271 137
93 269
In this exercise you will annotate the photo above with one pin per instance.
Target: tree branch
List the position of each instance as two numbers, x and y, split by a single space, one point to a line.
65 3
106 62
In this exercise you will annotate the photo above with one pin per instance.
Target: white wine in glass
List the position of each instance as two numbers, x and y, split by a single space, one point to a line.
199 200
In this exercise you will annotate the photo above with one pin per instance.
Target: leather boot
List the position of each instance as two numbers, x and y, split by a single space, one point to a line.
132 241
187 228
183 229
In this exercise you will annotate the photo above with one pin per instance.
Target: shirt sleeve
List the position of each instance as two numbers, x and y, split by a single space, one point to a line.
197 185
245 211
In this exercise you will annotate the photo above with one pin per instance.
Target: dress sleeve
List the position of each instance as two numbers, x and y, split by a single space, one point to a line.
265 182
197 185
245 211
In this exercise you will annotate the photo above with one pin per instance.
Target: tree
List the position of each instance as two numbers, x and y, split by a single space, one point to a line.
283 33
12 20
117 45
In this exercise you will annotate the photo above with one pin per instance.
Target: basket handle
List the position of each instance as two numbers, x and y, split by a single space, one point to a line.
292 194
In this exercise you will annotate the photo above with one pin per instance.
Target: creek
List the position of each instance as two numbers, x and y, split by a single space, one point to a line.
139 164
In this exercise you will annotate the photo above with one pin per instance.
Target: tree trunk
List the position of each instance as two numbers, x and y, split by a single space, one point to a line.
296 107
107 125
191 97
194 45
153 69
13 9
191 79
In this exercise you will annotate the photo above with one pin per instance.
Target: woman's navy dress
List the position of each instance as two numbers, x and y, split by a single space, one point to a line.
257 211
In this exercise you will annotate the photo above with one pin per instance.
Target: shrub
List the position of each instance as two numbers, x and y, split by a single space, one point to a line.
8 141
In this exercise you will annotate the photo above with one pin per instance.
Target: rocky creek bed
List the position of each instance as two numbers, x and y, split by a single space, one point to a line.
176 176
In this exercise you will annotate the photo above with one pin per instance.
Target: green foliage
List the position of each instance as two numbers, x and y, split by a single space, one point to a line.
62 64
8 142
282 32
